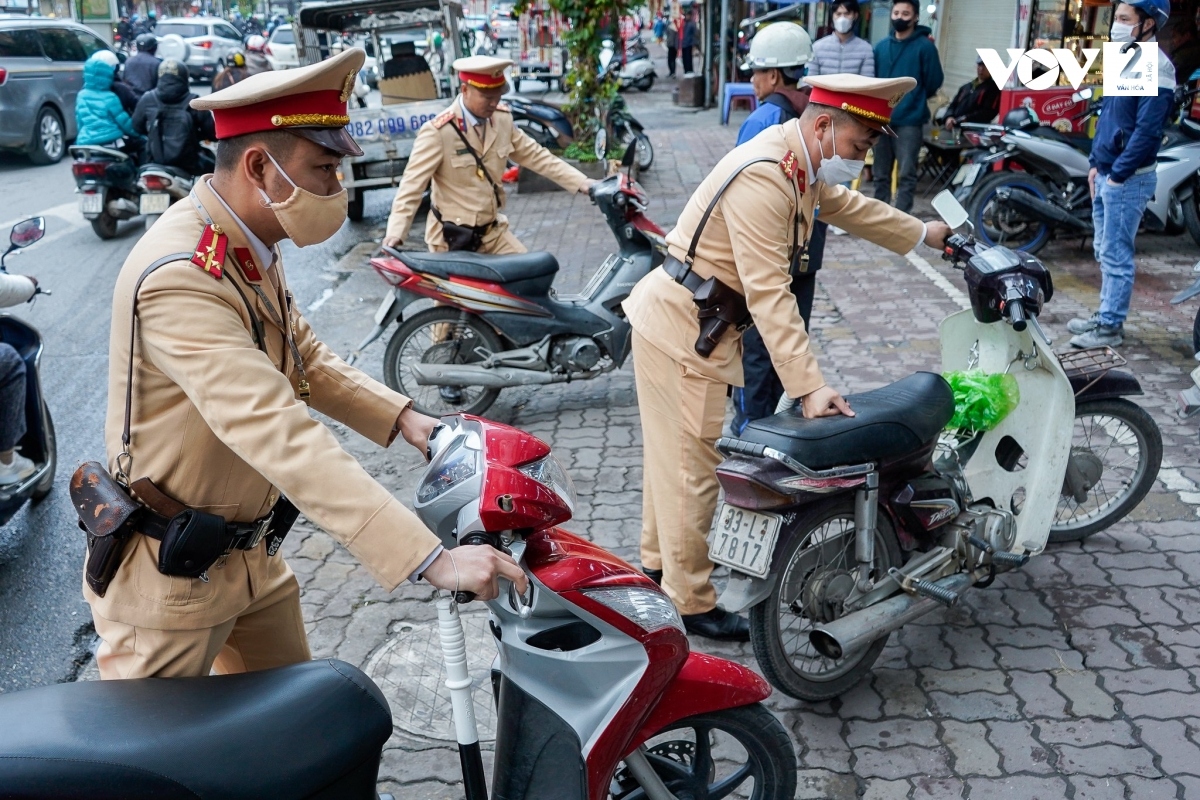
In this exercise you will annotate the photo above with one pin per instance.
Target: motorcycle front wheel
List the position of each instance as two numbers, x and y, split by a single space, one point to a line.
1116 450
815 564
739 752
997 224
440 336
645 150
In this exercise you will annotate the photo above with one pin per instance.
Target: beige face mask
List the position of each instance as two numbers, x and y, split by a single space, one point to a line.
307 218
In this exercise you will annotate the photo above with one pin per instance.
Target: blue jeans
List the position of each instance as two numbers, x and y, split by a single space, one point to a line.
1116 214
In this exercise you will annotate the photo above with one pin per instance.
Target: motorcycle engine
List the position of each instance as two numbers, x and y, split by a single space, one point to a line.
574 354
995 526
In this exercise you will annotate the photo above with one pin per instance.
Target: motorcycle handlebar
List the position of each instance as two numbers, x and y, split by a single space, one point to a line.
1016 315
462 598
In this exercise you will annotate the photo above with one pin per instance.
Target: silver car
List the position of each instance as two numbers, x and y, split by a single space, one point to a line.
209 40
41 72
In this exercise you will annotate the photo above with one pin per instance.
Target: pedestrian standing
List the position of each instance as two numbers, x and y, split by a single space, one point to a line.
660 28
744 228
907 52
672 45
1122 177
688 41
843 51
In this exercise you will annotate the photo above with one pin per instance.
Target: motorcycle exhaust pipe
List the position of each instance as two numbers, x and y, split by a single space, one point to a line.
491 377
857 630
1038 208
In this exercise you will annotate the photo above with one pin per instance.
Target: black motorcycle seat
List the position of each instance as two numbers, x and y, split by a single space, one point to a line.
178 173
497 269
285 733
889 422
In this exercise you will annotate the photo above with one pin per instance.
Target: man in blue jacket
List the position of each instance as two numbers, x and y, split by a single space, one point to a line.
908 52
1122 176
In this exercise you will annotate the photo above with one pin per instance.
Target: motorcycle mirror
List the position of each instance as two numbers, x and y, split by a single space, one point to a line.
28 231
949 209
1083 94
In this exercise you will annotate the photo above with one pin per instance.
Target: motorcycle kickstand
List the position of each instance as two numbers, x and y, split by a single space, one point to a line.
866 511
647 778
458 681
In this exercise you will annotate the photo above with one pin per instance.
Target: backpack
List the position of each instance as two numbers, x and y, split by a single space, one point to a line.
169 135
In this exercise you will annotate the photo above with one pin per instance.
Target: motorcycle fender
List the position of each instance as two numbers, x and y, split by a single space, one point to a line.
705 683
1187 294
389 311
743 591
1113 383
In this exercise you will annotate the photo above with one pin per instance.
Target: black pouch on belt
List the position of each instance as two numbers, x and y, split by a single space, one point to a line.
107 514
192 543
461 237
719 308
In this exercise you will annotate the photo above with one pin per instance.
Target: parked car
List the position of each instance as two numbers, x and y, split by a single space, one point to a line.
41 72
504 25
281 48
209 40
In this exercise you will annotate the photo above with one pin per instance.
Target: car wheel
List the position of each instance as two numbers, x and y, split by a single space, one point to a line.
49 138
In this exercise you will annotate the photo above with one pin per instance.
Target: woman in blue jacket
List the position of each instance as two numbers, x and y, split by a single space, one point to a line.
99 115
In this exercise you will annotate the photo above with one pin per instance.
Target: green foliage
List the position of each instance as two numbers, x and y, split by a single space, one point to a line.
579 152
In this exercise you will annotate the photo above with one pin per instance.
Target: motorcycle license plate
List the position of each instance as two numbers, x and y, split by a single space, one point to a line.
156 203
744 540
968 174
92 203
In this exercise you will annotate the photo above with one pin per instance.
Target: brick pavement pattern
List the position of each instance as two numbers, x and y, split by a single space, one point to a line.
1074 677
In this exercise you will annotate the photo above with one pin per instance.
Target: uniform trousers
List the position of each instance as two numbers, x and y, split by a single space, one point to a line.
268 633
682 413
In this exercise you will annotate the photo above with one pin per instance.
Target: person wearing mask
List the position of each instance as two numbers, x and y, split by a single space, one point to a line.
688 41
908 52
763 198
173 129
976 101
14 467
777 57
842 51
141 71
235 70
1122 177
225 375
99 116
672 45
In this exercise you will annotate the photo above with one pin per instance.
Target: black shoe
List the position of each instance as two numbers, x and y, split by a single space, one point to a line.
719 625
654 575
451 394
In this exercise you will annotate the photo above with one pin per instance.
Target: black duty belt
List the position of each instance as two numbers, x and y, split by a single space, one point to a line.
682 274
480 229
243 535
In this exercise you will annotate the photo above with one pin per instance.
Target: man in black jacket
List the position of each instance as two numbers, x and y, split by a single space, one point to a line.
141 71
976 101
688 41
173 129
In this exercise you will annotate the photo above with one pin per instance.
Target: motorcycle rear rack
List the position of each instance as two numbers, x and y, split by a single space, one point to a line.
1093 363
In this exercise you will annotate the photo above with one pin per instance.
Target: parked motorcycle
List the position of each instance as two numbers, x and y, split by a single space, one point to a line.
106 182
499 322
159 187
635 70
597 694
39 443
840 530
548 126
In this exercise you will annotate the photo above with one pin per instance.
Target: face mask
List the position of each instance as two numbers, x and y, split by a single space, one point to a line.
842 24
305 217
1121 32
834 169
901 25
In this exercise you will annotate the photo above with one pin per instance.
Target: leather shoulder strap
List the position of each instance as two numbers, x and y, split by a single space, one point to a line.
478 162
712 205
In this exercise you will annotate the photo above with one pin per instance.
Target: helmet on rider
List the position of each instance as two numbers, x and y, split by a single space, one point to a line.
784 46
255 44
1157 10
107 57
170 66
146 43
236 58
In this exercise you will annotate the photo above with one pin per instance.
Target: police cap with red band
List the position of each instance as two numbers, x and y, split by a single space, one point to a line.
308 101
482 72
869 100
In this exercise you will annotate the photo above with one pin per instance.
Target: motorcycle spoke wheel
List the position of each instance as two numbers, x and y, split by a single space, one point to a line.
440 336
1126 443
741 752
816 573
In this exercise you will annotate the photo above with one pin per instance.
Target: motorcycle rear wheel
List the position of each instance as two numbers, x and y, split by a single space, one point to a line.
440 335
780 624
105 226
997 225
1191 214
682 755
1104 427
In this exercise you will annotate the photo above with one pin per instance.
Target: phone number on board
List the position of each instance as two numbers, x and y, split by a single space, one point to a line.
389 125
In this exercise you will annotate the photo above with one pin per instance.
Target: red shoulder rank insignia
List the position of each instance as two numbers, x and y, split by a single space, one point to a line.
210 251
801 180
789 164
444 117
246 259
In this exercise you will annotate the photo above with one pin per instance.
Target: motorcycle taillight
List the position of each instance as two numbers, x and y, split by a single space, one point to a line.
155 183
89 169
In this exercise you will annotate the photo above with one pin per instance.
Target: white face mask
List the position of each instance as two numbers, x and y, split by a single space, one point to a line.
305 217
834 169
843 24
1121 32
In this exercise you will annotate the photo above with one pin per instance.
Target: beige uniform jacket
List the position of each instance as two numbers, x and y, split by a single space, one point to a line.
461 195
747 244
219 426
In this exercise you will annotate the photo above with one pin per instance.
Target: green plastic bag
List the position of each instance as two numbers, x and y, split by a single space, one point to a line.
981 400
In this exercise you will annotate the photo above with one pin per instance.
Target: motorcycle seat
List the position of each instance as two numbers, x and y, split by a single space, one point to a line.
481 267
889 422
310 730
178 173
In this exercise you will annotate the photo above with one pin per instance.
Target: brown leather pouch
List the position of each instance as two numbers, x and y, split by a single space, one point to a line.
106 513
719 308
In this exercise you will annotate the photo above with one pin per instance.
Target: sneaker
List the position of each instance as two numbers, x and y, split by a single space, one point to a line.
20 469
1100 336
836 231
1080 325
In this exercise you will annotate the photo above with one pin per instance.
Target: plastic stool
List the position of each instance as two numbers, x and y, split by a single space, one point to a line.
736 91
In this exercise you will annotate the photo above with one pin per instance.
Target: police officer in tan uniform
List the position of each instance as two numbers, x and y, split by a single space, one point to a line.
752 243
464 152
225 375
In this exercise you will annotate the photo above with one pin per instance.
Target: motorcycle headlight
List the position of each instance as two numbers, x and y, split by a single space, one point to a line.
454 464
549 473
649 610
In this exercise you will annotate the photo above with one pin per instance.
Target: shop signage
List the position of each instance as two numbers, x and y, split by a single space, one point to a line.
1129 70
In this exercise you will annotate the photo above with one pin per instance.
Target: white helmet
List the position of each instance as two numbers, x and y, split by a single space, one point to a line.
778 46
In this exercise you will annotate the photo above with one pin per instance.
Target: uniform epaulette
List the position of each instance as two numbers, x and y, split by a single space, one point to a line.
441 119
209 254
